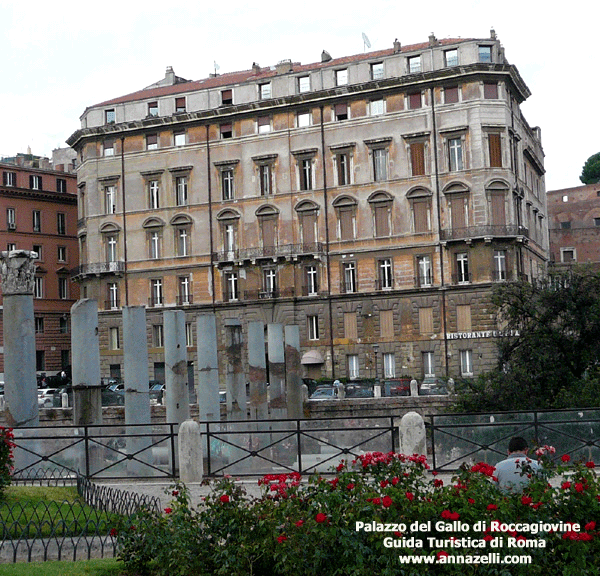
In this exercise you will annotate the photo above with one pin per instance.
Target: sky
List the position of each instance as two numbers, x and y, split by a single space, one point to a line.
57 57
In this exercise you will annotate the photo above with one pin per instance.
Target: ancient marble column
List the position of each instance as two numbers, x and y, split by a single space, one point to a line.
176 374
293 372
208 368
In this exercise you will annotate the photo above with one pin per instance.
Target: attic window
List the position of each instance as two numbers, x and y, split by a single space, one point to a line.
179 104
226 131
152 108
109 116
226 97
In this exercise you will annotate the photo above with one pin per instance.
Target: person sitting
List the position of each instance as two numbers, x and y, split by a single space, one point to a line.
514 472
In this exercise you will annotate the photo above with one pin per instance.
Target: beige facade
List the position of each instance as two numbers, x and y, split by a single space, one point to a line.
373 200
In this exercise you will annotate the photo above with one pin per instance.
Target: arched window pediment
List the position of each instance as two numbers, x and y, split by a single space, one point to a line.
181 220
419 192
456 188
153 222
344 202
267 211
307 206
228 214
109 228
380 196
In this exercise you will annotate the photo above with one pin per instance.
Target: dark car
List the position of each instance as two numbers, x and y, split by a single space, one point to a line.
397 387
324 393
157 392
357 391
432 386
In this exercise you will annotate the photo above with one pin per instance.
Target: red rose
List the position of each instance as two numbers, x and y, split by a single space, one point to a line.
590 526
579 487
224 498
299 523
281 538
585 536
387 501
175 492
168 510
590 464
565 485
320 518
410 496
350 486
471 501
441 553
526 500
492 507
114 532
565 458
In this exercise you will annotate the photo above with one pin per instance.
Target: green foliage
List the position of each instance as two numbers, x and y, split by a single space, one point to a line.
591 170
307 528
6 458
103 567
550 357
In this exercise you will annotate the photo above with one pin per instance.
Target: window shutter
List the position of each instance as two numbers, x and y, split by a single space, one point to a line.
498 214
490 91
495 144
386 319
426 320
382 221
308 227
350 326
415 100
458 207
421 215
463 318
346 227
417 157
268 232
451 95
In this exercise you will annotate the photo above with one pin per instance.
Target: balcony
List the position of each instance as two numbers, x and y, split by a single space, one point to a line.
461 278
156 301
268 295
185 299
112 304
98 269
287 251
424 281
485 232
384 284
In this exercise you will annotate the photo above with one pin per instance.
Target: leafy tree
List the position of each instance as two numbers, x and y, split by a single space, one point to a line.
550 356
591 170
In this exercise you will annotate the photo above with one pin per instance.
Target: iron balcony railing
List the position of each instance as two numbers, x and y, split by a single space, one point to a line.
98 268
493 230
281 251
268 294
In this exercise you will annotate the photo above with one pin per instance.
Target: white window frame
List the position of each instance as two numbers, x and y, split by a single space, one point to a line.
451 57
181 190
500 264
36 182
38 287
182 239
428 364
456 157
179 139
270 281
110 199
350 284
312 322
264 91
424 271
462 268
158 337
63 288
227 184
154 194
303 84
154 244
113 295
377 107
377 71
156 288
380 164
304 119
386 274
353 366
414 64
566 250
389 365
312 280
466 362
184 289
114 340
341 77
37 220
112 243
231 280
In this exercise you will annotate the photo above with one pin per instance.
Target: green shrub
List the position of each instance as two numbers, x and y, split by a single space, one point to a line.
306 528
6 457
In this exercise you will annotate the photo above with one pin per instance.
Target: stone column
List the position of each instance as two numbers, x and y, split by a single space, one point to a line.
277 400
136 378
235 382
190 452
258 371
208 368
292 371
412 434
176 386
85 351
20 385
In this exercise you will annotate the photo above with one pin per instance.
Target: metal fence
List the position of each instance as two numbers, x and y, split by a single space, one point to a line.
457 439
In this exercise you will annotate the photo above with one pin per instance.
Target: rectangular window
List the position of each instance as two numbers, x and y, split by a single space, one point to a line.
463 318
154 194
9 179
229 238
462 268
227 184
303 119
35 182
156 292
37 221
109 116
313 327
151 141
417 158
112 289
377 71
466 362
451 57
377 107
61 253
265 178
382 213
61 185
350 326
428 364
109 147
182 239
111 248
179 138
113 336
63 288
389 365
346 223
61 223
455 154
11 219
157 336
451 95
37 248
353 366
426 320
380 159
350 284
459 211
312 280
421 215
340 112
305 168
152 108
485 53
264 124
189 334
40 360
180 104
226 131
495 150
424 271
11 246
231 287
343 168
226 97
38 287
110 199
184 289
341 77
414 100
39 325
154 241
303 84
181 185
386 320
568 255
63 325
414 64
386 275
264 91
490 91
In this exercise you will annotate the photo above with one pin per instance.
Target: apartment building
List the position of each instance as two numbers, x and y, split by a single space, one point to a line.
373 200
39 207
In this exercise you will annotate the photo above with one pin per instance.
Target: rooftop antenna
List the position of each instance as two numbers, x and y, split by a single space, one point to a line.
366 43
217 67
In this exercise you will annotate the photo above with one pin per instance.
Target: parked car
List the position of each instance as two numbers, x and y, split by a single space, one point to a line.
324 393
432 386
113 397
397 387
357 391
311 383
157 392
46 397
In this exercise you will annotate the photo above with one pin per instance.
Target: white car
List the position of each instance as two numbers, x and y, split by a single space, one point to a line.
46 397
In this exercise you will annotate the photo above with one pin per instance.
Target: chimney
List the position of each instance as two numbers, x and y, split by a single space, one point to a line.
397 46
433 40
325 56
283 67
255 68
492 34
169 76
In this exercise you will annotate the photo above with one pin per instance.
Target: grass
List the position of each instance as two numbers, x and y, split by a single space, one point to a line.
40 511
103 567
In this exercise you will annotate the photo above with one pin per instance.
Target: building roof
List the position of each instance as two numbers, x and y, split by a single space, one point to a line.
258 73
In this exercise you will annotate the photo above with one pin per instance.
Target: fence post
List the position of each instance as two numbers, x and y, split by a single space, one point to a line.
298 446
190 452
412 434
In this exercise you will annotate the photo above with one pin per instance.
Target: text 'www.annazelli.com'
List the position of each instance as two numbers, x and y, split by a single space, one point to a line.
491 558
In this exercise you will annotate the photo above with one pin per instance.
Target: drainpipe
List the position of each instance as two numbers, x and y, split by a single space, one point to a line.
327 260
439 230
125 278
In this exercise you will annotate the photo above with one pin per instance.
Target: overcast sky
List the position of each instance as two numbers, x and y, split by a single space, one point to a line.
57 58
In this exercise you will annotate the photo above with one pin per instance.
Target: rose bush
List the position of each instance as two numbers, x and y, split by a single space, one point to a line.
309 527
6 457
